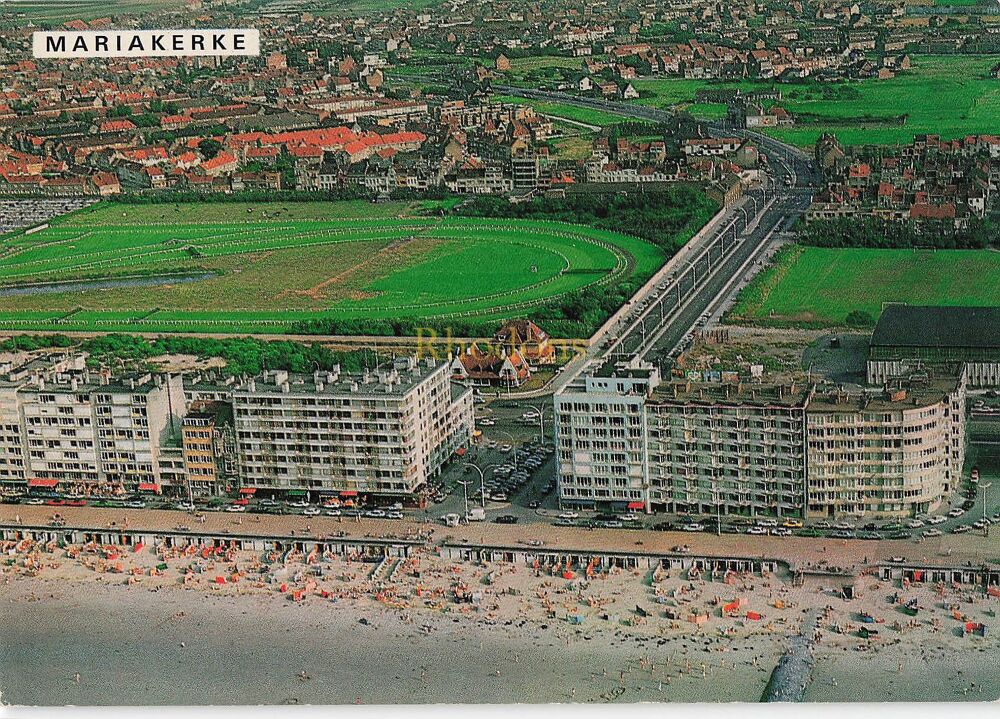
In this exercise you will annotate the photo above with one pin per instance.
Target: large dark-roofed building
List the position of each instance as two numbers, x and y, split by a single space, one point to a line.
910 339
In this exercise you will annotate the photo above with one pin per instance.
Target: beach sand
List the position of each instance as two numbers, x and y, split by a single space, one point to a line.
433 630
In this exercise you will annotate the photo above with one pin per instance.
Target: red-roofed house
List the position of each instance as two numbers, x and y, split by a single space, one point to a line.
116 126
105 183
490 368
220 164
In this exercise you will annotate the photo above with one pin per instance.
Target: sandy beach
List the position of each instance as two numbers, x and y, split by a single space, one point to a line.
240 627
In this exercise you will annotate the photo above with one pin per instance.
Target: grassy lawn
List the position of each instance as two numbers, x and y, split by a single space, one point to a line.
188 213
576 147
820 286
57 11
261 267
585 115
948 95
520 65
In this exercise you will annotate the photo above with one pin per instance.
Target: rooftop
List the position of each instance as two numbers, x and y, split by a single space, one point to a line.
897 396
751 394
390 379
938 327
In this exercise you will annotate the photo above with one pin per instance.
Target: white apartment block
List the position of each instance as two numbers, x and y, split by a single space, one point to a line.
63 425
626 440
602 448
897 453
384 432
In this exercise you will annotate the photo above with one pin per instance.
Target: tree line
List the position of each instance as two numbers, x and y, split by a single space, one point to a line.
243 355
878 233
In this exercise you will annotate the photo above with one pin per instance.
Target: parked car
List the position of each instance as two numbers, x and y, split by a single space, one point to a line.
961 529
781 531
956 512
915 523
932 533
792 523
236 508
184 506
937 519
506 519
842 534
757 530
310 512
135 504
569 515
694 527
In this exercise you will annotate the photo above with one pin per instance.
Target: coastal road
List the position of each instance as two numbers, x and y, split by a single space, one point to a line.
662 317
797 551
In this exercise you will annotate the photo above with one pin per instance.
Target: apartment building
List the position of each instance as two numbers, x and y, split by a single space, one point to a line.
198 439
898 451
728 449
629 440
384 432
677 447
65 426
602 448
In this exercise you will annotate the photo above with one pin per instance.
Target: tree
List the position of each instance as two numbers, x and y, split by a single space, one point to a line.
209 148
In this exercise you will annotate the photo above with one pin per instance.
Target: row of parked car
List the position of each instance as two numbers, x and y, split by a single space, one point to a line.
131 503
306 509
513 474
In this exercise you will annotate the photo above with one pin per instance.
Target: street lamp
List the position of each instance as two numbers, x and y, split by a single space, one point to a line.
482 479
718 511
465 494
540 409
694 270
512 448
986 521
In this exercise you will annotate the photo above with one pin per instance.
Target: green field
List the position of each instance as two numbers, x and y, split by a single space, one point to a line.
949 95
519 65
587 116
63 10
818 286
263 267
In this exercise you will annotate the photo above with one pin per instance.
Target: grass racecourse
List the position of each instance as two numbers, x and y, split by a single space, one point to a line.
232 267
820 287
